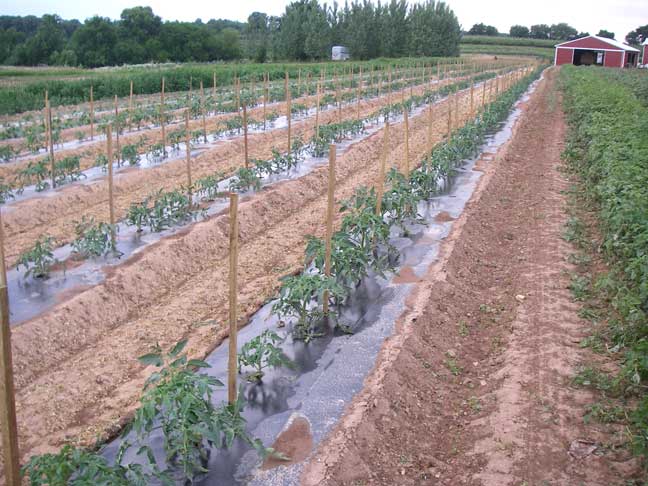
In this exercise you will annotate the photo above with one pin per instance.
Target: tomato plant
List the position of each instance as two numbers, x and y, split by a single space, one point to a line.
39 260
262 352
301 297
93 239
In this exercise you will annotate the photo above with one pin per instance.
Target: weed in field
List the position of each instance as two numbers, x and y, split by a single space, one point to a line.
580 286
605 413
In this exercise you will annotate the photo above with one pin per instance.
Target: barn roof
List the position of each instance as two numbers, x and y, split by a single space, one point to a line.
611 42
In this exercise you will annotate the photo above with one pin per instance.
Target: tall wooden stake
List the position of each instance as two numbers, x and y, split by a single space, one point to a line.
429 134
329 222
407 154
91 113
162 119
50 142
202 111
111 197
233 290
449 118
265 98
317 110
117 148
245 133
130 108
188 156
214 88
381 175
288 111
8 406
472 99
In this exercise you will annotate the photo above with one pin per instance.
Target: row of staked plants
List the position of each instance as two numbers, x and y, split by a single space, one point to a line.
607 150
177 397
221 102
164 209
362 244
148 115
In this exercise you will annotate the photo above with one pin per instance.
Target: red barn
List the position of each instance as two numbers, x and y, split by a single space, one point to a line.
595 50
644 57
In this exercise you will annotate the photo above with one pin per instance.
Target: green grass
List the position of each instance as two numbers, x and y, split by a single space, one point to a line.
607 148
108 82
506 50
508 41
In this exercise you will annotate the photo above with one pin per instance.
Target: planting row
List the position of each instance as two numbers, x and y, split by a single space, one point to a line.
164 209
177 397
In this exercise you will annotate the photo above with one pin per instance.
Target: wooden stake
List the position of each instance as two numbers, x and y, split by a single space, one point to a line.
317 110
214 87
339 102
117 148
329 222
188 156
265 97
288 111
472 99
429 134
358 102
483 100
407 154
233 290
449 118
7 391
162 119
91 113
456 110
111 201
50 142
130 108
381 175
245 133
238 95
299 84
202 111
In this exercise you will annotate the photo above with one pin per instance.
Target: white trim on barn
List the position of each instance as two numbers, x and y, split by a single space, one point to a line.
612 42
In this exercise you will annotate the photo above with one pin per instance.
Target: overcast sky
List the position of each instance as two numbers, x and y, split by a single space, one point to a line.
618 16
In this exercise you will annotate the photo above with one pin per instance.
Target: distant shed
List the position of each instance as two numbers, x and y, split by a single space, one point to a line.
595 50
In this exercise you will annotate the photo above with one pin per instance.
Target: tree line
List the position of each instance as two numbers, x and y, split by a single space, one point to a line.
561 31
305 31
139 36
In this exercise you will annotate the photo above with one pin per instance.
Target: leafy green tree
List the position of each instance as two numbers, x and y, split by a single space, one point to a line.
435 30
606 33
519 31
49 38
304 31
257 36
394 29
562 31
483 29
638 35
540 31
94 42
362 30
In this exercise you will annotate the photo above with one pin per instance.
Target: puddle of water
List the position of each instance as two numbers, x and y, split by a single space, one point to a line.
330 370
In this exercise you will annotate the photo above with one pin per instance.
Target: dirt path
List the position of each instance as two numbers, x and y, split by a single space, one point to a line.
475 385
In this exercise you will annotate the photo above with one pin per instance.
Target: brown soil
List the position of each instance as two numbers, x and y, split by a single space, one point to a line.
56 214
474 387
294 443
76 371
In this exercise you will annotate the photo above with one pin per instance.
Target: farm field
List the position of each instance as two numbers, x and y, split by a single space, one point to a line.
175 276
410 290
